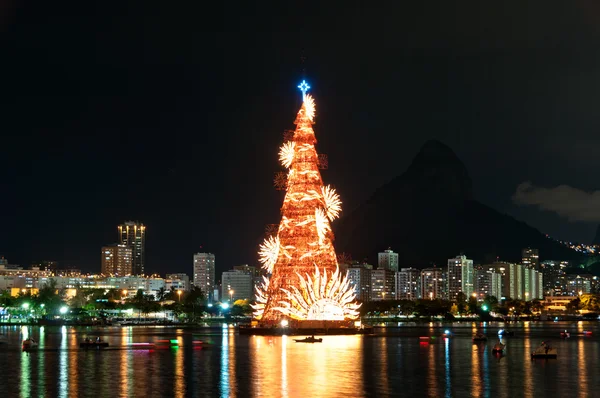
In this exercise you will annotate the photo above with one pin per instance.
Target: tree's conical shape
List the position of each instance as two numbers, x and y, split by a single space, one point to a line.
304 240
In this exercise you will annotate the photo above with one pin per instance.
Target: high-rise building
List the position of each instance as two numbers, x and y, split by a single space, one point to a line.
117 260
388 260
133 234
432 284
204 273
383 283
530 258
408 284
579 284
460 277
555 280
359 276
488 283
237 285
512 279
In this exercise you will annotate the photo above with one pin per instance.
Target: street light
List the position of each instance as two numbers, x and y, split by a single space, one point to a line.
179 294
124 292
63 310
430 295
25 306
231 295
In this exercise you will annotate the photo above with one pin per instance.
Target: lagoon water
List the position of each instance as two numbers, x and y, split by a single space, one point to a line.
391 363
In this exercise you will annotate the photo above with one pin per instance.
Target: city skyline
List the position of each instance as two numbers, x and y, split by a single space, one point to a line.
188 144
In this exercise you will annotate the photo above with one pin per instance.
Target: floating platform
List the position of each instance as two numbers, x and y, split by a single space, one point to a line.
289 331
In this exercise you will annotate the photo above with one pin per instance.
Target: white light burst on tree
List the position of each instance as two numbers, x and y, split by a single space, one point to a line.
320 298
261 297
269 250
323 226
309 106
286 154
332 202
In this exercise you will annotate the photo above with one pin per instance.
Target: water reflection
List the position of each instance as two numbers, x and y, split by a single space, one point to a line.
447 367
63 366
432 379
582 367
383 360
476 387
527 382
41 360
225 391
258 366
179 387
125 385
25 388
284 382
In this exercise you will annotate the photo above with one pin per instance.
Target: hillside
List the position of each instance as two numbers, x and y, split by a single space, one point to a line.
428 214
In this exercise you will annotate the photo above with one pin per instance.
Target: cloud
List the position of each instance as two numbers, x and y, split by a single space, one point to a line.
571 203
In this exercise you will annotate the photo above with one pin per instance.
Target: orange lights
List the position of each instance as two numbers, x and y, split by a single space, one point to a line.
305 282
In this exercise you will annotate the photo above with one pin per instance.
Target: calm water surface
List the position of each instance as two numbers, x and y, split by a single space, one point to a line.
392 363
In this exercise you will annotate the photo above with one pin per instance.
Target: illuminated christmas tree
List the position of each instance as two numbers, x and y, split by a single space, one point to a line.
305 282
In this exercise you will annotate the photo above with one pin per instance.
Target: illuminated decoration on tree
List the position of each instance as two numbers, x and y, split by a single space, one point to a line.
280 181
269 251
320 299
323 161
271 230
309 106
260 295
304 87
286 154
288 135
305 282
332 202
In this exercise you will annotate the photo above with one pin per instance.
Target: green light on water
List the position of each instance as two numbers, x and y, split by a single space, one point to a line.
174 342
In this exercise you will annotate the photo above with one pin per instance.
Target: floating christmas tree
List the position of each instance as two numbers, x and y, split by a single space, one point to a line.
305 282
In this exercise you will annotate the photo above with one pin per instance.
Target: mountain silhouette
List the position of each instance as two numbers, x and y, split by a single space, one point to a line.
428 214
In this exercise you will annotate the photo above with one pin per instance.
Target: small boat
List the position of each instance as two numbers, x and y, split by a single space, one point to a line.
585 333
544 351
310 339
498 348
504 332
29 343
89 343
479 337
565 334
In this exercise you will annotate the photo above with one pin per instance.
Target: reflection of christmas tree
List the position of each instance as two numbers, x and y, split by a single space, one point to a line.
305 282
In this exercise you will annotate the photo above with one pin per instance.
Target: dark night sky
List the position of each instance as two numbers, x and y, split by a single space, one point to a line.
173 115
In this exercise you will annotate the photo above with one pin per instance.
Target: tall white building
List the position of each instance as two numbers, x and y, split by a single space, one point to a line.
204 273
460 277
488 283
512 279
383 284
432 283
530 258
408 284
388 260
359 276
237 285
